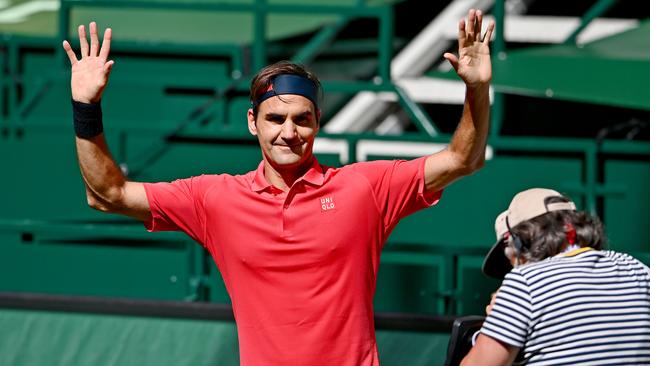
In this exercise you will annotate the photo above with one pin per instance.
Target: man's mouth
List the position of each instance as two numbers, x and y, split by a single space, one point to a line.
288 146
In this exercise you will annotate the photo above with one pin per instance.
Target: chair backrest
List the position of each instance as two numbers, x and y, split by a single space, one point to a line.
460 341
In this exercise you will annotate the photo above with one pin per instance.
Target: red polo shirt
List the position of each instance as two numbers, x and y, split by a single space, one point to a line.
300 266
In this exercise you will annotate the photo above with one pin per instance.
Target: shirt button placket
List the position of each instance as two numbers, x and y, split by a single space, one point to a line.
285 208
286 229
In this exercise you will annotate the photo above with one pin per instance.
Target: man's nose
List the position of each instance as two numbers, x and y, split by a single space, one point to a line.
289 130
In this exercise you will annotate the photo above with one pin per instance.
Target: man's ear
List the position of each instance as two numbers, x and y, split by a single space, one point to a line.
318 120
252 127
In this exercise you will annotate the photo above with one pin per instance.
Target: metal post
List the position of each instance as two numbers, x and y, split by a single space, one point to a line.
12 84
321 40
591 176
417 115
498 53
594 12
3 81
385 43
63 27
259 35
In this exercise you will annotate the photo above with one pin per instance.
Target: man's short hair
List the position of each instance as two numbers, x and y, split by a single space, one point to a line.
545 235
264 78
541 219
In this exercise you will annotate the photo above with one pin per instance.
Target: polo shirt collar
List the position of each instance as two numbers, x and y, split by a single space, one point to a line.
314 175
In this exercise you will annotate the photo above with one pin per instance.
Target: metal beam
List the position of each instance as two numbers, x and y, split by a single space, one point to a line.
595 11
319 41
413 60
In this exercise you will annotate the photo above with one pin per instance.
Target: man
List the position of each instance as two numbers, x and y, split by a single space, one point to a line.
297 243
564 300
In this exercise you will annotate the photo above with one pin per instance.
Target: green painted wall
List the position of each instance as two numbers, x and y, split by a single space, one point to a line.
53 243
39 338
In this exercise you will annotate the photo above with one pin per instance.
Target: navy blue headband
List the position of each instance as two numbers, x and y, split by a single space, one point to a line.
290 84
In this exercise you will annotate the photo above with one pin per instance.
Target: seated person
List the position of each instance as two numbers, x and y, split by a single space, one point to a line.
564 300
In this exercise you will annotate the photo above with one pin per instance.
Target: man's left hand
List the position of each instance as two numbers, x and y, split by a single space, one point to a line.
473 61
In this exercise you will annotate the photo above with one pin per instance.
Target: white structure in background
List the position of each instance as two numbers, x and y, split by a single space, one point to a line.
367 110
22 11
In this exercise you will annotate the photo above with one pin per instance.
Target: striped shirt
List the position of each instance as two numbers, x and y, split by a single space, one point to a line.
584 307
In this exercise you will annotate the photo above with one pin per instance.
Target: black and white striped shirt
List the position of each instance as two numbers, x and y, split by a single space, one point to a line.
584 307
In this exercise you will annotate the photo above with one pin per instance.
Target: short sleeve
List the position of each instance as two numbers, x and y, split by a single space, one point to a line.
399 187
178 206
510 318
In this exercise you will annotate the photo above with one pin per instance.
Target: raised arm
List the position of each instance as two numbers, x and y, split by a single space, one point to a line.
466 151
106 187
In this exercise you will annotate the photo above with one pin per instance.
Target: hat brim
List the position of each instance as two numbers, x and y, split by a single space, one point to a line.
496 264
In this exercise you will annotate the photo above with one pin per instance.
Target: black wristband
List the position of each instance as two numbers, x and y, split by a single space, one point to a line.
87 119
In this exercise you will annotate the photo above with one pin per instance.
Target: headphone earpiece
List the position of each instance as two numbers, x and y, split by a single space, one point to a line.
519 245
516 241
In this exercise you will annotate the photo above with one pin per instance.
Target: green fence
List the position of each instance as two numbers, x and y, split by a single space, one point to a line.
64 330
176 108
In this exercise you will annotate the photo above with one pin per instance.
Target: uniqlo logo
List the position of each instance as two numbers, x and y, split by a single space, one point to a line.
327 203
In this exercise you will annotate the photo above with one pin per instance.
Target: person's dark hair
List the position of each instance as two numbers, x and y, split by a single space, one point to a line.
263 78
545 235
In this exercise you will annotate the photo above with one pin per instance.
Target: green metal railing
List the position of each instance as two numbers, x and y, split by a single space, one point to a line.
260 9
590 188
4 85
61 232
320 41
598 9
498 51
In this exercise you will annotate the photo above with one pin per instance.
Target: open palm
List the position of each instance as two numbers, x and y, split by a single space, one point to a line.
90 74
473 63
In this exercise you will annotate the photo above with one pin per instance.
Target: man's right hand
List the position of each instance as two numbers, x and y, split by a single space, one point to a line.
90 74
488 308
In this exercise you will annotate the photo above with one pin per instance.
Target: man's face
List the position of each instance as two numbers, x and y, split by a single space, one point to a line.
286 126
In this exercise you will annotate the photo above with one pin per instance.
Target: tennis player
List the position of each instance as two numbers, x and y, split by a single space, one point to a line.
297 243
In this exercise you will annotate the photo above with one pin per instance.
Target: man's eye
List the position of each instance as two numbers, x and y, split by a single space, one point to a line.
303 120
